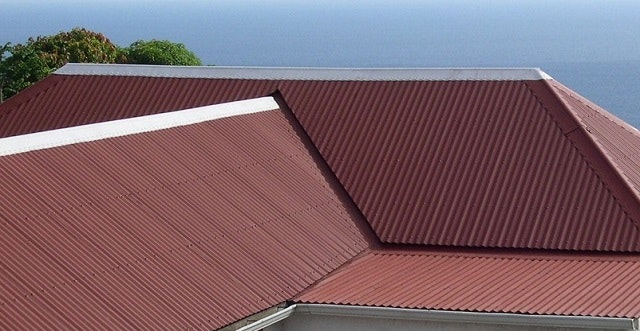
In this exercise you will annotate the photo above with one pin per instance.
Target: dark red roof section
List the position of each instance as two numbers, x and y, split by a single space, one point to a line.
465 163
188 228
551 284
482 163
61 101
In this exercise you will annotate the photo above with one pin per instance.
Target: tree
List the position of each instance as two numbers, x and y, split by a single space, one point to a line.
3 51
162 52
38 57
24 64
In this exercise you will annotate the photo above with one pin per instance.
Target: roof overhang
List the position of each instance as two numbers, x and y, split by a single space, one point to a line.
412 315
332 74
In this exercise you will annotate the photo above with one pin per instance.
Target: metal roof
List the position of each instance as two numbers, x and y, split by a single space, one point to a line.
495 163
203 224
506 282
469 163
189 227
118 128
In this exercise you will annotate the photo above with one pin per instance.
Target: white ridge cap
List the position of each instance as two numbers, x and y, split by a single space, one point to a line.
337 74
129 126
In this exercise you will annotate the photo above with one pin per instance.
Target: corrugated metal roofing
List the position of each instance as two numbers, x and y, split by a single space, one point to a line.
128 126
463 163
466 163
185 228
619 141
48 105
482 282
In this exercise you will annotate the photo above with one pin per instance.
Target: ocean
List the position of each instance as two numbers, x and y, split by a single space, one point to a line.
590 46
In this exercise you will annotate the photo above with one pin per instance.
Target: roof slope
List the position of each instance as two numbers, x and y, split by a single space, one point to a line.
617 140
467 163
478 158
203 224
189 227
550 284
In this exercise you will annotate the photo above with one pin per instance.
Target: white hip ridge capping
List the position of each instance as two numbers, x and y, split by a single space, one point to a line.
559 321
128 126
300 73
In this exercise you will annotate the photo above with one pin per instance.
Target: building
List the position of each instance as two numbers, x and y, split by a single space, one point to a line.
177 198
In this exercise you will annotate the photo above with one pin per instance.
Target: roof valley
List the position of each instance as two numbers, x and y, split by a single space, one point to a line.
359 219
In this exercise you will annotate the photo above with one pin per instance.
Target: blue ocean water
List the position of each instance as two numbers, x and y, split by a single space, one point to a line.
589 45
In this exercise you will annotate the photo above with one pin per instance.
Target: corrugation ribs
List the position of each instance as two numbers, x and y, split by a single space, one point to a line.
106 98
619 140
555 285
463 163
468 163
195 226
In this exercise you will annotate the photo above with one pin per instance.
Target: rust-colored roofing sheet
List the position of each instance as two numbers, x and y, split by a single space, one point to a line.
467 163
61 101
479 163
545 284
188 228
619 141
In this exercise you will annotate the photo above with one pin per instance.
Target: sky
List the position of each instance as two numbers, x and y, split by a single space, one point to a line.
590 45
455 32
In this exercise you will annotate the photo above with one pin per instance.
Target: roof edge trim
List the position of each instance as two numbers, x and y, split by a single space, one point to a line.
445 316
299 73
129 126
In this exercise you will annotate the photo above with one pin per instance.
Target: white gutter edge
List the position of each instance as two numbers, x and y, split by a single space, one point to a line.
269 320
447 316
128 126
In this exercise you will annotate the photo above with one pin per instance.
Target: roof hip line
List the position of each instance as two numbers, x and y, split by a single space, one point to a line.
584 142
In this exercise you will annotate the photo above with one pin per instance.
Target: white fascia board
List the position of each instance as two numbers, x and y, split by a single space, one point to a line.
280 73
584 322
123 127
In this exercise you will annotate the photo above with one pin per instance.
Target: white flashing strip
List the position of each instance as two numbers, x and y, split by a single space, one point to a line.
123 127
335 74
584 322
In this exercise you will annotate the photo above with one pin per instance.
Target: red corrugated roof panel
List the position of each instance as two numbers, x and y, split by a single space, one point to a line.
502 162
48 105
507 282
467 163
191 227
619 141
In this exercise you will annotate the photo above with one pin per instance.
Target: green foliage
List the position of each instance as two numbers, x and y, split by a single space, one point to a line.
22 65
32 61
162 52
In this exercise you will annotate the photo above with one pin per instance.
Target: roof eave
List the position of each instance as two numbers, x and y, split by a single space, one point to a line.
560 321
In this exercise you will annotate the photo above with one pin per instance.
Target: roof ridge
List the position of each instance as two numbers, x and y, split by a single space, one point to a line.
129 126
302 73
